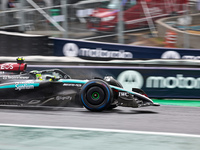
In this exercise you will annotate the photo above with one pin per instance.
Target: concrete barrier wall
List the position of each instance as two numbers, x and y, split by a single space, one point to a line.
18 44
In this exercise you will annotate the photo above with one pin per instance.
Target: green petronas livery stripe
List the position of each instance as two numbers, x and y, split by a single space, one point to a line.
19 85
74 81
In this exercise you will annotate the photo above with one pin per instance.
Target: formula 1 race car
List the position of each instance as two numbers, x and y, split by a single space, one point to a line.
55 88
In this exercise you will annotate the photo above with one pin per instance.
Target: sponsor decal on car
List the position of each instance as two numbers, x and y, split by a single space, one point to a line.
124 94
7 77
25 85
6 67
63 98
72 84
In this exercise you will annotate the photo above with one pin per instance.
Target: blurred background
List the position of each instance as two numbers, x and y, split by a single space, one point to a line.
134 22
148 44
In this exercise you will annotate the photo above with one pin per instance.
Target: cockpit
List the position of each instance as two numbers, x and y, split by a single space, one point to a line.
49 75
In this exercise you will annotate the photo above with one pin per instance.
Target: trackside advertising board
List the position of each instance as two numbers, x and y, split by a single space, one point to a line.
157 82
97 50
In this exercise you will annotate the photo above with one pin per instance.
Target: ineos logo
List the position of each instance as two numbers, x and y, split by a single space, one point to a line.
70 49
131 79
171 55
6 66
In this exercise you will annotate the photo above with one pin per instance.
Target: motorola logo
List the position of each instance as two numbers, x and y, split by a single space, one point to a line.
171 55
131 79
70 49
172 82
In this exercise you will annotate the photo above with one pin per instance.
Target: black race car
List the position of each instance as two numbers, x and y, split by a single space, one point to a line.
56 88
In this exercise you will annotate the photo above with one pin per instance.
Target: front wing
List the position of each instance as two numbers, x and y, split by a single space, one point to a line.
132 99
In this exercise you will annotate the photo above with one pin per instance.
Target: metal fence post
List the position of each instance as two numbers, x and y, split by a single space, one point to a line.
65 22
42 12
120 24
186 35
21 20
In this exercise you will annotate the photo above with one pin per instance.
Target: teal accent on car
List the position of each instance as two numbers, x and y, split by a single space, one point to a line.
7 86
120 89
73 81
19 85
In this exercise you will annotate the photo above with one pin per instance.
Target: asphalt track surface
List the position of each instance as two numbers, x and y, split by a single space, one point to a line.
167 119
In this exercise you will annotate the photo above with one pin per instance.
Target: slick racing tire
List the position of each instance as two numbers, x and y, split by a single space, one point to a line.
96 95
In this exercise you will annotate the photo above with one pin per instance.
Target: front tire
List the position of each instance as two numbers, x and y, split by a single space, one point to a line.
96 95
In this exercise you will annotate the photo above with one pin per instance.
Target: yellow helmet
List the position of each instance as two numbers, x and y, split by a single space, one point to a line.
38 75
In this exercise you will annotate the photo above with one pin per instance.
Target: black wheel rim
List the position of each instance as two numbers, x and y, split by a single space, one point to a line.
95 95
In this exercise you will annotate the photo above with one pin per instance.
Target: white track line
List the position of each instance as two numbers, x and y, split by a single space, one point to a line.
105 130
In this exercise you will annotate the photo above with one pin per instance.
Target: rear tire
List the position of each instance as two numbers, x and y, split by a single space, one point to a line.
96 95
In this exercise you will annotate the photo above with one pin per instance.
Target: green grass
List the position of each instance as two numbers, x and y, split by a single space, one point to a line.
191 103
